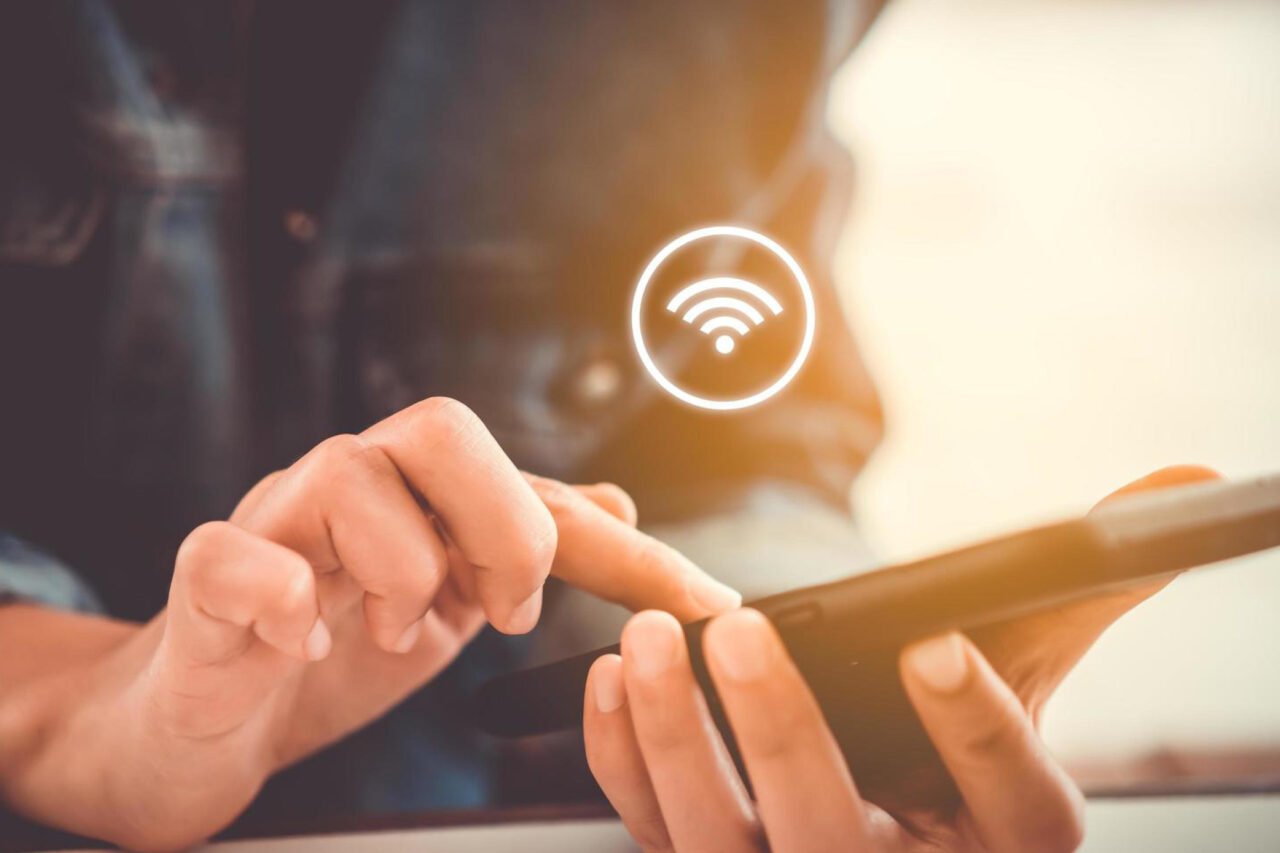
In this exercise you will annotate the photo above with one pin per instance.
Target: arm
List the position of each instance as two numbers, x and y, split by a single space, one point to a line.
53 674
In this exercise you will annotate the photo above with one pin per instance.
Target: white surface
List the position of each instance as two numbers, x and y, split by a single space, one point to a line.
1064 262
594 836
1236 824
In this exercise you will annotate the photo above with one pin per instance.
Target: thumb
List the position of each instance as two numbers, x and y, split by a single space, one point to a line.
1036 652
1165 478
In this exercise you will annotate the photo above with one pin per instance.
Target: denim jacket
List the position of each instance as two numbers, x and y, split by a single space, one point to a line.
228 230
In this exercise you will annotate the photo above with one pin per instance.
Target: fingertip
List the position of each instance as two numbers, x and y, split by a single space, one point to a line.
387 626
530 568
607 689
1172 475
645 622
408 638
723 629
1164 478
319 641
524 616
711 594
651 643
614 500
742 644
541 536
939 663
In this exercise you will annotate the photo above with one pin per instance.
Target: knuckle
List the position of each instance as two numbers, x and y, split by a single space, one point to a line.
998 731
270 479
538 540
203 546
669 731
989 739
668 737
654 563
451 427
448 415
298 588
617 776
556 495
787 733
255 495
346 459
442 424
544 539
650 833
342 453
620 498
418 586
606 761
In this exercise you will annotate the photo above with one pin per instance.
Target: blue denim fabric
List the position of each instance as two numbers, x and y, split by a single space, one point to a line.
29 574
480 215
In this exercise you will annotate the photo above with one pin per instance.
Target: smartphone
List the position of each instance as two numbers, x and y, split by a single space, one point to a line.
846 636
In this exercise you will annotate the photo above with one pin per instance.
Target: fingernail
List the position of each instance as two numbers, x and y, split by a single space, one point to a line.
651 641
319 641
940 662
713 595
743 644
523 619
607 680
409 638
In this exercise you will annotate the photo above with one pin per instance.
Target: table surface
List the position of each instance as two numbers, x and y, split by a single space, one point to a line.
1189 824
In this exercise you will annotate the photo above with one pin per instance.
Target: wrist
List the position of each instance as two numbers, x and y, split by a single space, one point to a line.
51 764
64 729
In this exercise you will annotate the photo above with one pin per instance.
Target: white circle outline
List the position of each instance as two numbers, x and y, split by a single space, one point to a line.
637 303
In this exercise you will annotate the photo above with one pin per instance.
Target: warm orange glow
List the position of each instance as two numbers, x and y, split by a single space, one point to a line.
1064 262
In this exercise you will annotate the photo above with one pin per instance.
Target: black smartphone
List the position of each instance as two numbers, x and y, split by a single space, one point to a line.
845 636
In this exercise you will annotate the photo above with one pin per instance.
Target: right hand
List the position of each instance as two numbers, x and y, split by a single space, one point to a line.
656 753
337 587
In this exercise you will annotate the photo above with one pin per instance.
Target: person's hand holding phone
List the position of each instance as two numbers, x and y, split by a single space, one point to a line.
655 751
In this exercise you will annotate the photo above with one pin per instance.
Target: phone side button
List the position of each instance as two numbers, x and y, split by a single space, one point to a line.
797 615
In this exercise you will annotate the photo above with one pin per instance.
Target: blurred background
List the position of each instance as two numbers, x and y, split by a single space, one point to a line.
1064 262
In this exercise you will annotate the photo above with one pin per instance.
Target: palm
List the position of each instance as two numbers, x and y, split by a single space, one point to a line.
287 708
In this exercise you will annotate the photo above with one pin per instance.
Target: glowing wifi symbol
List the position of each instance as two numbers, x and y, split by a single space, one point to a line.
722 311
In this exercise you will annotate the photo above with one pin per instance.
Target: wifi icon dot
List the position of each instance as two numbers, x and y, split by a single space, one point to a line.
727 313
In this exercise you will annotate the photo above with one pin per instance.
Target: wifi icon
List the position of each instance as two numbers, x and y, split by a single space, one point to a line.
726 314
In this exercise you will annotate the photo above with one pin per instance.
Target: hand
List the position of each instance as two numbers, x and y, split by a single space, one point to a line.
656 753
336 588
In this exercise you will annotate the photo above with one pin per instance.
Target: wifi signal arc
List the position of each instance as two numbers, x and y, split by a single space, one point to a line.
717 323
724 282
717 306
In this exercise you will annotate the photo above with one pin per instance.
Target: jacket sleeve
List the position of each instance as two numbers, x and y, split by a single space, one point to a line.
29 574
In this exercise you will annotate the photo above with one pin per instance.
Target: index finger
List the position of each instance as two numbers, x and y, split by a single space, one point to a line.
449 458
602 554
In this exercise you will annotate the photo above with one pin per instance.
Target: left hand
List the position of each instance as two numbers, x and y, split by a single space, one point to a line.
656 753
336 588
